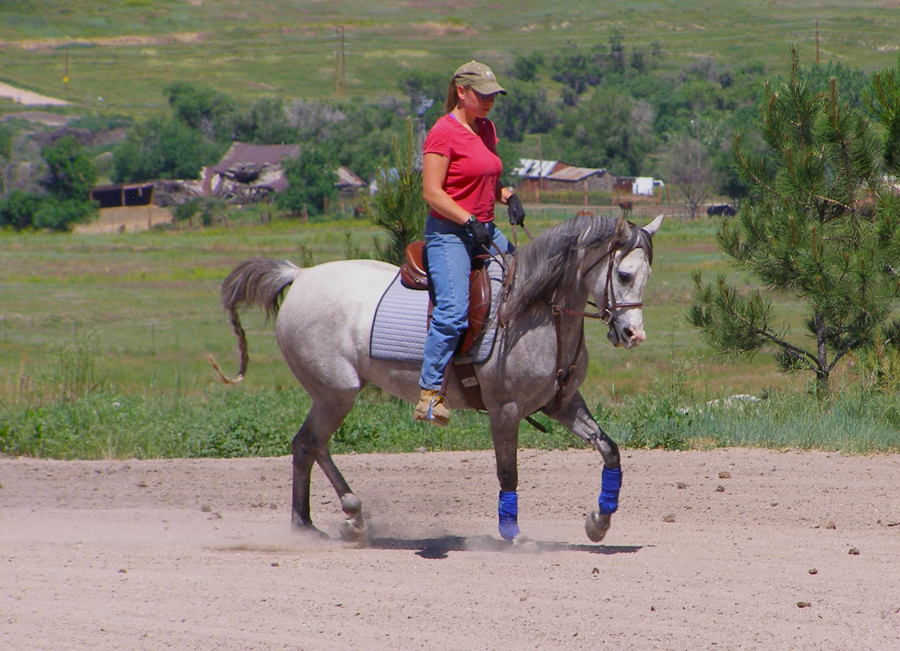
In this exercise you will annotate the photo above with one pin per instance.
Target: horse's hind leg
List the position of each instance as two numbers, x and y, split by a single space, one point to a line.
310 445
354 527
576 417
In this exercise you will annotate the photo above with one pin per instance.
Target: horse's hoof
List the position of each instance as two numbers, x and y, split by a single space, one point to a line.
308 529
350 504
353 531
596 526
353 528
524 544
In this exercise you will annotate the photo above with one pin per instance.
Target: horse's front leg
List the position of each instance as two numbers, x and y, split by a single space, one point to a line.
505 434
576 417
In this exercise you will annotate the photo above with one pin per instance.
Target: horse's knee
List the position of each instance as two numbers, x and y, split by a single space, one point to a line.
607 449
303 447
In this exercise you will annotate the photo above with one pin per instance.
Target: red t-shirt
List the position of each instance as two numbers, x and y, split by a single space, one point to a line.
474 165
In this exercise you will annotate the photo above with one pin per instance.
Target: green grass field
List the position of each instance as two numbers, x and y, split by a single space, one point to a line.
104 342
151 299
127 51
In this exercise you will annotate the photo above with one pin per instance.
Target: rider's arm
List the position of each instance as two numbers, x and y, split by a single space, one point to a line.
434 173
502 194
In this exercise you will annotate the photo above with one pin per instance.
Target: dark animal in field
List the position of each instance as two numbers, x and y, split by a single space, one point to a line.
721 210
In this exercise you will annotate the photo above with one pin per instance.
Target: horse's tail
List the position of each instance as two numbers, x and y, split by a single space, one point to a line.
260 282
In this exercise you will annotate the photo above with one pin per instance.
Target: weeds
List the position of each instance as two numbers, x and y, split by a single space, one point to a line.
236 423
70 373
878 367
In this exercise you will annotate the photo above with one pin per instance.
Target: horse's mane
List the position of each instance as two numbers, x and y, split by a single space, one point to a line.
551 261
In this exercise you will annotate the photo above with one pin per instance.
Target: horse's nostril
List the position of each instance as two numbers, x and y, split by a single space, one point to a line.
628 332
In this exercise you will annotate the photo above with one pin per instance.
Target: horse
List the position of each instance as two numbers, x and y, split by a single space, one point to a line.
323 322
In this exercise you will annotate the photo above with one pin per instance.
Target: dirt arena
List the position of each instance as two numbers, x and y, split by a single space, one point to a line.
728 549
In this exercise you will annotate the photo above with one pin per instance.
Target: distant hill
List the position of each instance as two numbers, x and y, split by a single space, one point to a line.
121 55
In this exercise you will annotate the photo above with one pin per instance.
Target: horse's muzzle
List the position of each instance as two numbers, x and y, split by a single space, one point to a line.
625 337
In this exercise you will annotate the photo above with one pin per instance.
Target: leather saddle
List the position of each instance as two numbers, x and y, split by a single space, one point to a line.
414 275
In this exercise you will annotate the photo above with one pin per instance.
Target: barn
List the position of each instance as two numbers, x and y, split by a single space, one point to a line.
120 195
587 179
248 173
554 176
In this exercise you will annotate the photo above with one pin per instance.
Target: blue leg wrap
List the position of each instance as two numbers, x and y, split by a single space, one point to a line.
508 510
609 491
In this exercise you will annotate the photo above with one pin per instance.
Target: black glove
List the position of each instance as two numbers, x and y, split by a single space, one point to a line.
515 210
479 231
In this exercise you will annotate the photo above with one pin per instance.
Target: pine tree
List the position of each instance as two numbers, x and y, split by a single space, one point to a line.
822 224
398 206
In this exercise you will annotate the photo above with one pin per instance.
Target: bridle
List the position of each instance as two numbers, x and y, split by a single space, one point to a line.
611 307
609 314
611 311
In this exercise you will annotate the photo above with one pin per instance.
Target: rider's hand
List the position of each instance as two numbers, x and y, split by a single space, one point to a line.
479 231
515 210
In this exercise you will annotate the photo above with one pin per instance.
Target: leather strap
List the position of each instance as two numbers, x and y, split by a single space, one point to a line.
465 371
563 376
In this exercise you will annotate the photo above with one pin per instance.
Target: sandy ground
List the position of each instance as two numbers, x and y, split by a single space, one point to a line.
127 219
198 554
27 97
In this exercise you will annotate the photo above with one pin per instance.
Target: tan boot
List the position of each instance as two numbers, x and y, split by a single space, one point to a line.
433 407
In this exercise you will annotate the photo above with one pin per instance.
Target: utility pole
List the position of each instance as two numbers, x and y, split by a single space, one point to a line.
340 88
817 41
66 76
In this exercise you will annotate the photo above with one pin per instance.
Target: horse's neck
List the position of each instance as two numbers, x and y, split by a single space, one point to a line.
571 295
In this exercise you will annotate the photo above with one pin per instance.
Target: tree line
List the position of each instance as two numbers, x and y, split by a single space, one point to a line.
816 155
618 107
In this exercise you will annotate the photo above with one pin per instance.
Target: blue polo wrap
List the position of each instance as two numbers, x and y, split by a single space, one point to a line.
609 490
508 510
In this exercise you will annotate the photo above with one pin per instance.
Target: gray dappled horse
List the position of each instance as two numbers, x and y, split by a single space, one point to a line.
540 359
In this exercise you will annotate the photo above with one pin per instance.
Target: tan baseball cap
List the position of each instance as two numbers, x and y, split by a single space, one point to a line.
478 77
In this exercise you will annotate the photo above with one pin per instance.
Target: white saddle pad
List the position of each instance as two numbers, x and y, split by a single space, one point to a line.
401 323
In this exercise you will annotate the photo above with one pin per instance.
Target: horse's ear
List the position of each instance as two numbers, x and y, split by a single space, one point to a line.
623 230
653 226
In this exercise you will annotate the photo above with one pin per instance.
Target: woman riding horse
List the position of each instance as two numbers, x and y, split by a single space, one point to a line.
460 173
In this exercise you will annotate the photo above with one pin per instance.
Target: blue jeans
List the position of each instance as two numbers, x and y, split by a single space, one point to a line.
449 249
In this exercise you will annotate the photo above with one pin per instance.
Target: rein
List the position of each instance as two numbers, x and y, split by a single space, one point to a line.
611 311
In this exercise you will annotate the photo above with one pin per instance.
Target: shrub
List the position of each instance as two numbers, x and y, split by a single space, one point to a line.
18 209
162 149
311 177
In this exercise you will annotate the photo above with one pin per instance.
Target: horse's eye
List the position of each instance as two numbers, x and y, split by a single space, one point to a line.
625 277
